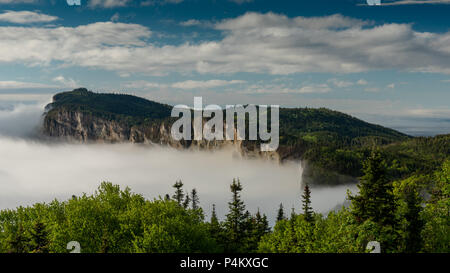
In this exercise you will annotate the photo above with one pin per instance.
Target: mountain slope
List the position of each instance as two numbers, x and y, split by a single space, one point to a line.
332 144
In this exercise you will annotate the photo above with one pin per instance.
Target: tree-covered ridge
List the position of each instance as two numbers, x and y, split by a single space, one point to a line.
316 125
333 143
404 216
419 155
122 107
325 126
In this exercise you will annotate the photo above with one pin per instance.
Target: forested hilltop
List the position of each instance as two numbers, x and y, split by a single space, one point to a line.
332 145
394 213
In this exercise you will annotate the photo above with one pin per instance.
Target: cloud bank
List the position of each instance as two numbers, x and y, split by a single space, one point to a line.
256 43
26 17
32 172
36 171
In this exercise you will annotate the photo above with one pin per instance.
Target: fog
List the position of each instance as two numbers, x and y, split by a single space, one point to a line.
36 171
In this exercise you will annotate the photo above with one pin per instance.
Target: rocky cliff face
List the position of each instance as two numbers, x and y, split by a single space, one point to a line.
85 127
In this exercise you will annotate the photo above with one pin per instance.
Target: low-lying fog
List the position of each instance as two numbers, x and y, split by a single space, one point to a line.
35 171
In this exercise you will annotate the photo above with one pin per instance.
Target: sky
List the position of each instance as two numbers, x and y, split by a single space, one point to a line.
388 64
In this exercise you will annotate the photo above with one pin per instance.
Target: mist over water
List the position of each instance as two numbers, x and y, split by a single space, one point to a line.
35 171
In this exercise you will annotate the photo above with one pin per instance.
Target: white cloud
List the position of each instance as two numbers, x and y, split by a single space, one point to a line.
160 2
26 17
254 43
108 3
144 85
66 82
191 22
315 88
362 82
277 89
432 113
204 84
23 85
340 83
186 85
17 1
73 46
416 2
392 85
115 17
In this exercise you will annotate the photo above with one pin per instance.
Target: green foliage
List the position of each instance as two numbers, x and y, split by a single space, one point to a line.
235 219
333 234
376 203
306 204
39 241
436 232
118 221
280 214
179 195
414 223
120 107
111 220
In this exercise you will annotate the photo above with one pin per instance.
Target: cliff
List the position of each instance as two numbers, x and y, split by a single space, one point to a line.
306 134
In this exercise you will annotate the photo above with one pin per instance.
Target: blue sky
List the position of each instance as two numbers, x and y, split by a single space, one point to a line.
381 63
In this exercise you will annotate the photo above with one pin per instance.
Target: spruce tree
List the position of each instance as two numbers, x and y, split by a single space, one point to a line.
375 201
187 201
39 241
214 220
415 224
253 229
17 243
280 215
179 195
262 224
235 218
215 229
306 204
194 199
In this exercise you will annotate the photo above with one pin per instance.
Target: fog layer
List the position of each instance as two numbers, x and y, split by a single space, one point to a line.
35 171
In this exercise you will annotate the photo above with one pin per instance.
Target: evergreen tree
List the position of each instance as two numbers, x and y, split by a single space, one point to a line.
262 225
194 199
376 201
179 195
214 220
414 222
306 204
39 241
253 228
377 204
235 218
280 215
17 243
215 229
293 214
187 201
